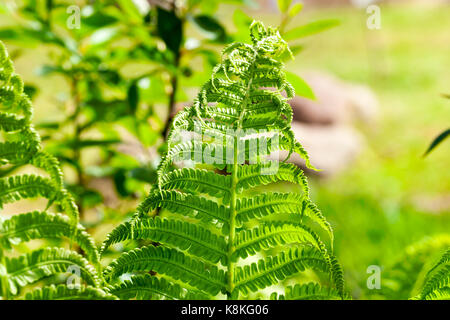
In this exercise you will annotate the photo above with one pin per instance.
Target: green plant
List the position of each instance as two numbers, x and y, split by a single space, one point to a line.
440 138
416 273
437 280
125 66
20 145
214 230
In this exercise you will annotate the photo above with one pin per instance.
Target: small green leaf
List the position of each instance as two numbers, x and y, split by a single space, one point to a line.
310 29
295 9
99 20
133 97
300 86
283 5
170 29
211 25
437 141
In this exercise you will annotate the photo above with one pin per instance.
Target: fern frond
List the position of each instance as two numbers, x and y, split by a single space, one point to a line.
249 176
270 271
172 263
22 146
10 122
308 291
62 292
43 225
408 275
16 152
273 203
146 287
25 186
239 120
445 259
197 181
51 165
269 235
186 204
42 263
438 294
183 235
438 276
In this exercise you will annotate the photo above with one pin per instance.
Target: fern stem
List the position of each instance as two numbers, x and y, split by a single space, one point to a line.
232 221
234 181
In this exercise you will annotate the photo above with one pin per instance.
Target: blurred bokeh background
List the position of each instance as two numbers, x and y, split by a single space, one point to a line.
104 92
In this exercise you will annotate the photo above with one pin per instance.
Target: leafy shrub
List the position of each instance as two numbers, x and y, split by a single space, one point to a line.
214 223
107 64
21 145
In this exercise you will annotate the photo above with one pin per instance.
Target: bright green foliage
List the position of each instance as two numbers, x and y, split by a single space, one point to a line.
308 291
416 273
61 292
437 280
440 138
20 145
217 233
123 67
146 287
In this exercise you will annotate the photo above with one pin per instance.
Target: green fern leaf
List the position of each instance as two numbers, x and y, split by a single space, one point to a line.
31 267
214 216
43 225
62 292
269 235
146 287
198 181
272 203
438 276
172 263
308 291
270 271
21 146
438 294
183 235
187 204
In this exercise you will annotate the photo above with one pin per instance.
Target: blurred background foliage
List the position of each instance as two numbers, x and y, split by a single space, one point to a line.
105 92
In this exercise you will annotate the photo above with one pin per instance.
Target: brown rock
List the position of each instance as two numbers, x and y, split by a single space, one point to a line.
330 148
336 101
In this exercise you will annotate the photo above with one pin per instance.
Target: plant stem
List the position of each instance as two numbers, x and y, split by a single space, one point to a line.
77 132
234 181
172 99
174 79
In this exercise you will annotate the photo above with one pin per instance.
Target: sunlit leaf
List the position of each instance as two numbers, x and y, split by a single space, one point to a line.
211 25
310 29
300 86
437 141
